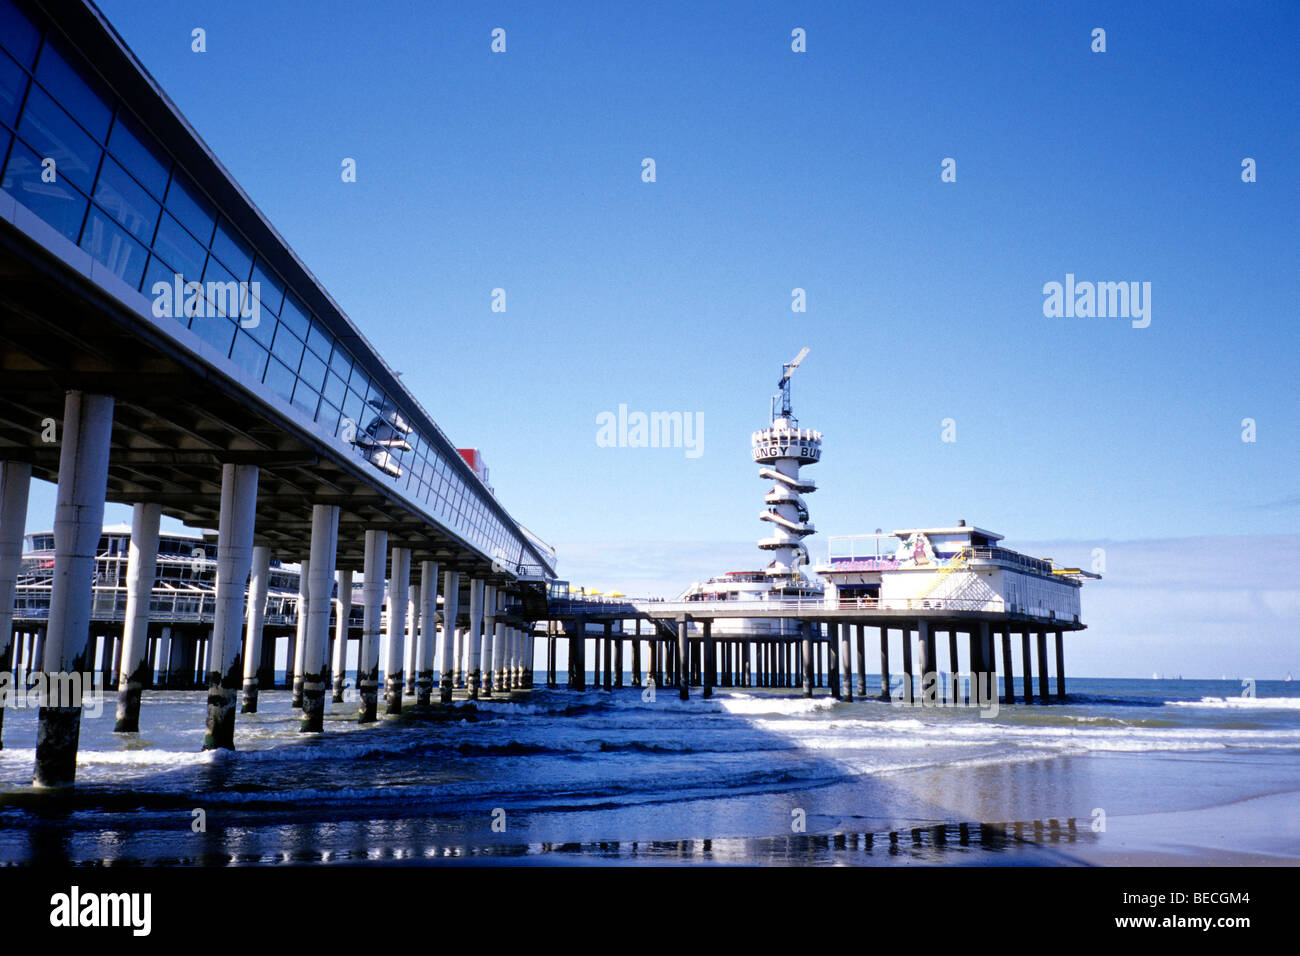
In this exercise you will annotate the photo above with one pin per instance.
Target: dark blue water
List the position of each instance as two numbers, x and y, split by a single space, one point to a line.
748 776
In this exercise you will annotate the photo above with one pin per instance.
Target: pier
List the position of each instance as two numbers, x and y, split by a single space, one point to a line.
259 410
162 347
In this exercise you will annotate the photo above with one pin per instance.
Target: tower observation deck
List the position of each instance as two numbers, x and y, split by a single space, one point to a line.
780 450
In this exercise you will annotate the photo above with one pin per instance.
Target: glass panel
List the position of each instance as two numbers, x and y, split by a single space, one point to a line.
114 248
190 208
335 390
312 371
165 299
179 249
234 253
13 84
305 398
139 154
341 362
222 290
216 330
319 340
294 314
328 416
280 379
51 132
126 201
249 356
270 289
57 203
287 347
359 381
264 329
17 35
87 101
353 409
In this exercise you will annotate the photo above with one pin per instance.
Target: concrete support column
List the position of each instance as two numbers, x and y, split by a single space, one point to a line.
141 565
1042 666
294 667
954 664
607 652
1008 672
987 681
809 659
344 613
683 658
484 665
427 639
907 665
447 644
163 675
1027 662
324 552
499 635
462 650
577 654
1060 667
832 661
709 663
225 671
474 641
846 663
255 619
78 524
859 630
636 655
929 662
372 608
517 644
15 483
411 649
884 663
618 662
399 586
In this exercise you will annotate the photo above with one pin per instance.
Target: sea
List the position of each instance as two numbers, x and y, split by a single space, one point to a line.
1177 772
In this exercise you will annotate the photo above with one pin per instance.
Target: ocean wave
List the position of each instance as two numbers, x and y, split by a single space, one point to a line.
1241 703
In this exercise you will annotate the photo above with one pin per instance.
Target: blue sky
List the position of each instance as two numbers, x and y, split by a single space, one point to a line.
821 171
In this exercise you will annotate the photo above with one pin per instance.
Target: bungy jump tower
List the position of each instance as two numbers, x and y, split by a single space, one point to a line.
779 450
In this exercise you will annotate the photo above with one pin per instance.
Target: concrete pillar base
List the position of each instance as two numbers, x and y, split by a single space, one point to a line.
393 695
296 701
221 718
58 731
339 687
424 688
128 709
313 707
248 700
368 712
471 685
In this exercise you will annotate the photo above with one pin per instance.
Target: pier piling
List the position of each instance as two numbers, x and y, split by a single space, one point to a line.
225 671
141 566
324 551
